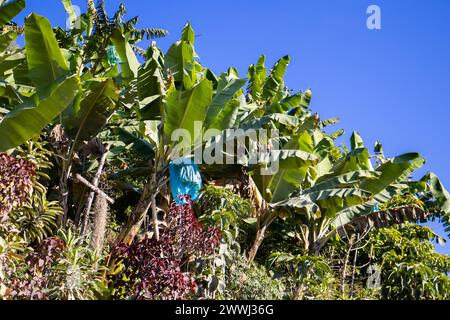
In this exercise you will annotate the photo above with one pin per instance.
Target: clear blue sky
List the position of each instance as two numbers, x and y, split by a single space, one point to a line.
391 84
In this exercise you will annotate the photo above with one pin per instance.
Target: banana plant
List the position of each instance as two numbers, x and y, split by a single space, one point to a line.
313 149
172 90
108 44
103 51
349 197
180 91
55 87
55 82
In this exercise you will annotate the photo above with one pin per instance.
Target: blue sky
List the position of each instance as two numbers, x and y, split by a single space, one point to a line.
391 84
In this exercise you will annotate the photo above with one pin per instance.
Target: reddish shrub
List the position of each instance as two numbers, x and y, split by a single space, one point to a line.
16 182
154 269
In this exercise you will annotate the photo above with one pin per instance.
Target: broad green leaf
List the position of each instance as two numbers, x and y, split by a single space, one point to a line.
188 33
338 198
183 108
46 62
90 18
7 91
285 120
223 95
323 144
337 134
150 86
209 74
378 149
345 180
292 101
10 10
288 104
257 75
291 159
129 64
328 122
180 60
356 141
131 136
347 215
227 116
309 123
273 120
91 115
275 81
441 196
293 166
6 39
282 184
324 167
10 62
306 99
27 120
358 159
398 168
71 12
299 204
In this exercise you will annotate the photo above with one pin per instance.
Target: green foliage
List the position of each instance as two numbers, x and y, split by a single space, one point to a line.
411 269
59 268
130 64
224 209
46 62
76 274
27 226
185 107
36 218
10 10
225 104
93 112
251 282
52 102
85 91
180 60
307 277
401 201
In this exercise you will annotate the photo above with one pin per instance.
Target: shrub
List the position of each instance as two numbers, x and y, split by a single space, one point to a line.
16 182
246 281
156 269
61 268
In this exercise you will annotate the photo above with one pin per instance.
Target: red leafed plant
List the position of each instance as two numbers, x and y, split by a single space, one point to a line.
153 269
16 182
32 284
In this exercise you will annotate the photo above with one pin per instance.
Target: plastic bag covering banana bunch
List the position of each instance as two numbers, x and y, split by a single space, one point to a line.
185 179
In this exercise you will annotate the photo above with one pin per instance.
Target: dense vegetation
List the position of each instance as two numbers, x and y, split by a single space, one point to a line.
86 212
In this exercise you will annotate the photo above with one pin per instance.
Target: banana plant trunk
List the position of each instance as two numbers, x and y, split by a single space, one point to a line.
299 291
154 198
137 217
158 185
260 234
264 214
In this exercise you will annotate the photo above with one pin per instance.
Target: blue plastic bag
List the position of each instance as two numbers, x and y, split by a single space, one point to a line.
185 179
376 208
113 57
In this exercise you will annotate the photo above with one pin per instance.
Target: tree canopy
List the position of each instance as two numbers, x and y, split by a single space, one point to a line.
88 120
